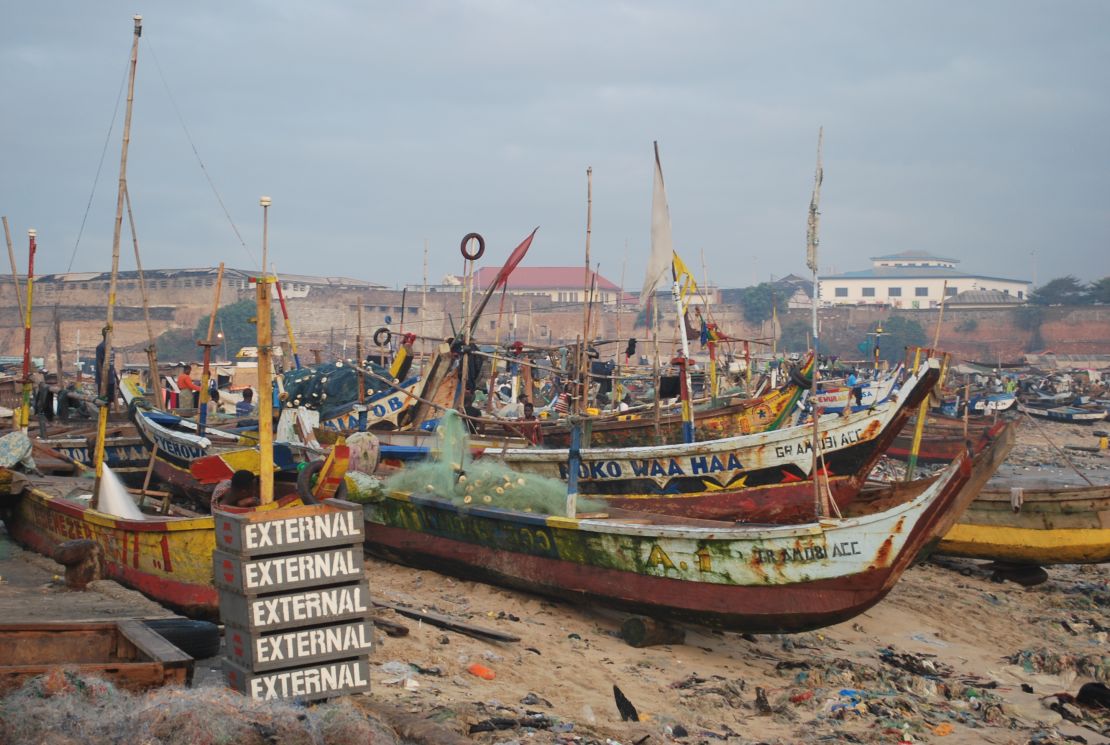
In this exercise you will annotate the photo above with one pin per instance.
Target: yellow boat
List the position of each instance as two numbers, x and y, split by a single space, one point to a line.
1039 525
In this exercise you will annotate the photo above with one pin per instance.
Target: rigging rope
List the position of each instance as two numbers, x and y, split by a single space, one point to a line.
200 162
99 166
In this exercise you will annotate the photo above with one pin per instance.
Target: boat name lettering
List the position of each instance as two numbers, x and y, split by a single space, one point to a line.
308 681
308 606
846 548
352 638
828 442
178 449
602 470
302 567
294 530
789 555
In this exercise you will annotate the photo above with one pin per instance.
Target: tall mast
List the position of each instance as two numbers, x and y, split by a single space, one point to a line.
265 385
105 373
152 347
811 262
25 410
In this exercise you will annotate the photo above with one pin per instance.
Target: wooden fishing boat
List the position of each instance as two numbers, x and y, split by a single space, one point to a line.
1069 414
834 399
1035 525
124 452
765 477
770 411
168 558
126 652
942 439
751 578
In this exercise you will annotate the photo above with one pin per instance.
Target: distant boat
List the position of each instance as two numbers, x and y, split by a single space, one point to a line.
1070 414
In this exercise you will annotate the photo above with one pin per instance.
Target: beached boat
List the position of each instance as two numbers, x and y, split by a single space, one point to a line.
1070 414
942 439
835 398
752 578
168 558
1035 525
764 477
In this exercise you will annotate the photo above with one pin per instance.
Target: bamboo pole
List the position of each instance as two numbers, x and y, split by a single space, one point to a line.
105 382
812 243
152 348
265 389
583 376
25 409
287 321
207 344
11 259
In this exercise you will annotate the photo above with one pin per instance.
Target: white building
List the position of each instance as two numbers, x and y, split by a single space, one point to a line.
913 279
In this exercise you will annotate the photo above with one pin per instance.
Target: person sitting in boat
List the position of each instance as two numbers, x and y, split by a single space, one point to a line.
530 426
246 406
241 490
187 389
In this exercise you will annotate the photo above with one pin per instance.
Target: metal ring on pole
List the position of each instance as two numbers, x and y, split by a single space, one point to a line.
382 332
481 246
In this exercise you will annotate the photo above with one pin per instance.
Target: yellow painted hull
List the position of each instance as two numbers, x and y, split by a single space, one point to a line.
1028 546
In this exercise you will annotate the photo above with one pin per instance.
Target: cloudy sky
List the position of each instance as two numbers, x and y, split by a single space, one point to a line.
972 130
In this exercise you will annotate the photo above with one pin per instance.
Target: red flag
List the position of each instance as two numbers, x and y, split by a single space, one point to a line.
514 258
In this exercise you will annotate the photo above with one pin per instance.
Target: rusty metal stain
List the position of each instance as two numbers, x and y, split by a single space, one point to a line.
898 526
882 556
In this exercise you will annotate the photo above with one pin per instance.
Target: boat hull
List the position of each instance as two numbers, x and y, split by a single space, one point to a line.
168 559
1049 526
760 579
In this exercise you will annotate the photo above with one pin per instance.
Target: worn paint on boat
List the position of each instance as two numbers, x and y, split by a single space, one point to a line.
1066 525
763 578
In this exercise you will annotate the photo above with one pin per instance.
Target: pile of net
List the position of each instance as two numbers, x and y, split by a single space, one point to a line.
331 388
452 474
65 708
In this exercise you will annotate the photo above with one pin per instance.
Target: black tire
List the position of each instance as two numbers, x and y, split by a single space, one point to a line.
379 334
481 246
306 480
198 639
798 379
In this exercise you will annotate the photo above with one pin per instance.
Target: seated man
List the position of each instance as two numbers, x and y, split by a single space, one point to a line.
241 490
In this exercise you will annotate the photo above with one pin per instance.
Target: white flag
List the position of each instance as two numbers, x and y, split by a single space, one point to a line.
662 248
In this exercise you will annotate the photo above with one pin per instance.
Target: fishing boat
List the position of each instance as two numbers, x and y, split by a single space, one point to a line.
942 438
834 398
167 557
1069 414
765 477
750 578
1034 525
980 403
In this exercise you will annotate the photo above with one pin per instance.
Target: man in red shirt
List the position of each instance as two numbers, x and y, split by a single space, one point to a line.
189 390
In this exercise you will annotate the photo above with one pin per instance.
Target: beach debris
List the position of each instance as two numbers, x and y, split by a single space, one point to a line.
481 671
447 622
624 706
639 631
83 560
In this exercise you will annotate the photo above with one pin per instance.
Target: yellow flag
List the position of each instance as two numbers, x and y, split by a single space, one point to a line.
683 275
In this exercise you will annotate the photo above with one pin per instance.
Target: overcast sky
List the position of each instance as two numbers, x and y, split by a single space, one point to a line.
977 131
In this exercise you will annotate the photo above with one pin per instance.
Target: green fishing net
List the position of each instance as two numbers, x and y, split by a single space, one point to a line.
331 387
452 474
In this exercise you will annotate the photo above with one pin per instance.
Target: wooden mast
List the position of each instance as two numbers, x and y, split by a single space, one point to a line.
25 409
105 373
207 344
152 348
811 261
265 387
11 258
583 358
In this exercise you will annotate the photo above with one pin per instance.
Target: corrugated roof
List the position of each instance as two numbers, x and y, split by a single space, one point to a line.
543 278
913 255
915 272
981 297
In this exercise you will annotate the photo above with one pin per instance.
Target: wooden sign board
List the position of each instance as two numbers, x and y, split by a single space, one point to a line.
300 608
269 574
326 680
298 647
264 532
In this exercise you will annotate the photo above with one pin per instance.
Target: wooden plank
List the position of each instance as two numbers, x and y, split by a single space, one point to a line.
152 644
447 622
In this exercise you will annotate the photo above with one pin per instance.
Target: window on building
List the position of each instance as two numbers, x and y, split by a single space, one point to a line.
921 292
1006 291
869 292
163 284
84 285
950 291
894 292
1021 295
841 292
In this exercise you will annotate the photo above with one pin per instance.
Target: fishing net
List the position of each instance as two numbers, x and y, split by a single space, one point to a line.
331 388
64 708
452 474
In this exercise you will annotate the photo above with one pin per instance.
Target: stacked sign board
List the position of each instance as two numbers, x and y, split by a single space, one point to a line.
294 600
